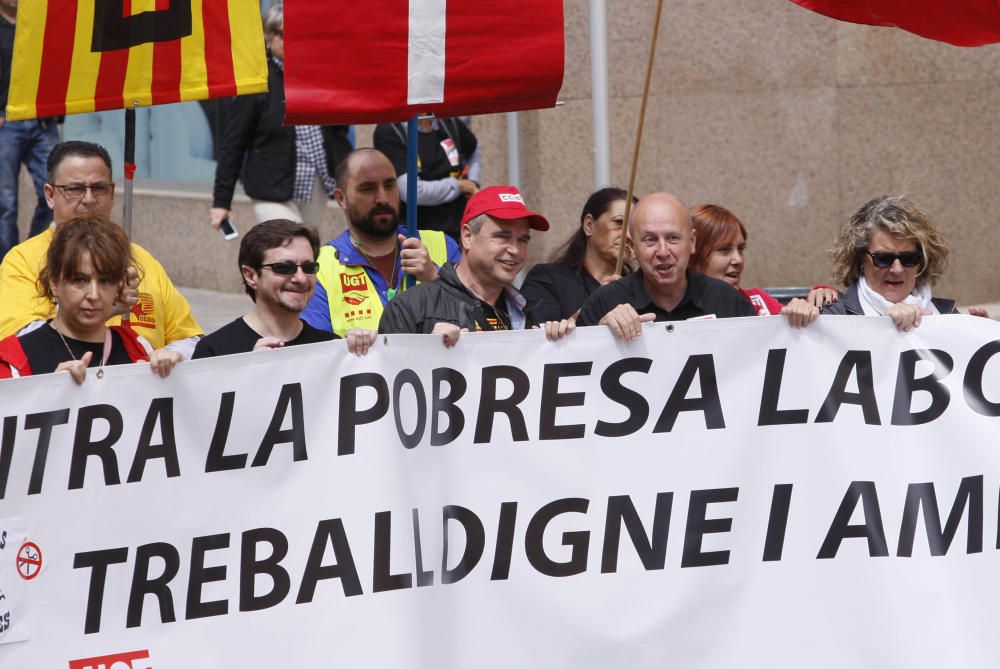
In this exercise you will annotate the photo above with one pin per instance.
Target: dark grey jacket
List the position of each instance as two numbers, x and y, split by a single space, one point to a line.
850 304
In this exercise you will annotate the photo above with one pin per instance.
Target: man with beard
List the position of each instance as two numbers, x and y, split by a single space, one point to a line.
278 262
363 269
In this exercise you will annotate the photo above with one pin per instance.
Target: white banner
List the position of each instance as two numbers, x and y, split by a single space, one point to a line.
716 494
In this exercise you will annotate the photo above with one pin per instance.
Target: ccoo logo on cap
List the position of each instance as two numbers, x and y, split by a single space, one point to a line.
504 203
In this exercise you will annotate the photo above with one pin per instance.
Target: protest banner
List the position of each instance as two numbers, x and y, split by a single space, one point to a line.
717 493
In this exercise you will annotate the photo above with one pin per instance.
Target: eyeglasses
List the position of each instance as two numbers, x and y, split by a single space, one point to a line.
76 191
289 268
884 260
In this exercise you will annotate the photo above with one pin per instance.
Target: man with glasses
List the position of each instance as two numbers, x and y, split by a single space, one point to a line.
278 262
80 185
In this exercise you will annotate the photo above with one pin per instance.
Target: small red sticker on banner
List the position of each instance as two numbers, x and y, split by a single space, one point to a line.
29 560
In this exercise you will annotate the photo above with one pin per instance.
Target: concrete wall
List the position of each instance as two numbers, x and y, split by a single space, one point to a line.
790 119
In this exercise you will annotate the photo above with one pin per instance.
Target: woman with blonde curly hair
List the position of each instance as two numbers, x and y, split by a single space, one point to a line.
889 256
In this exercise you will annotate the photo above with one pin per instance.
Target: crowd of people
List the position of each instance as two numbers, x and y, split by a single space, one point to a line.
80 295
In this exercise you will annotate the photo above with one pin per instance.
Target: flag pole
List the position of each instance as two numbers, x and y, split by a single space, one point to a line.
638 137
412 141
129 165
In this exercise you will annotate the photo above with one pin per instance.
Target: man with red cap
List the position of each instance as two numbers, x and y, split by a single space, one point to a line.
477 295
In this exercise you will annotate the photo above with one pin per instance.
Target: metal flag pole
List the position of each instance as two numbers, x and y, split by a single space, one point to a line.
129 165
638 137
412 141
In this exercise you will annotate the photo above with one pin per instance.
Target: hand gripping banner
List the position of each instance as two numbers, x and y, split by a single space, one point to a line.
74 56
385 60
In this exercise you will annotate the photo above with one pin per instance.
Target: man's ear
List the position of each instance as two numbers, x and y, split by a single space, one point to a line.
249 276
50 195
338 195
694 236
465 238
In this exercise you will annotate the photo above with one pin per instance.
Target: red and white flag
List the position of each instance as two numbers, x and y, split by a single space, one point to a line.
385 60
958 22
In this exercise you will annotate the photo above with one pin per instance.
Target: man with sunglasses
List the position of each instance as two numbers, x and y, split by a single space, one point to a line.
80 185
278 262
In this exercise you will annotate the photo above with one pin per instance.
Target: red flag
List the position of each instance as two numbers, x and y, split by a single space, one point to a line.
958 22
384 60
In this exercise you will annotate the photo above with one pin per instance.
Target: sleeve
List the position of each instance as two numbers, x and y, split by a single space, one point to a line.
240 126
743 306
20 303
398 317
542 296
431 193
317 312
475 166
386 140
178 321
468 140
596 307
454 251
185 347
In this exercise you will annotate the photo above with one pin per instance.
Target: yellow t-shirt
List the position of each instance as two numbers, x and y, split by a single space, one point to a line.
162 315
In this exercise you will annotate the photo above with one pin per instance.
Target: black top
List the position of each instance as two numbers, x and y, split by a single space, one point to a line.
555 291
390 139
45 350
238 337
260 150
704 296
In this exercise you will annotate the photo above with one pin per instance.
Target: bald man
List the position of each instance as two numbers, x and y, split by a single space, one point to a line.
663 289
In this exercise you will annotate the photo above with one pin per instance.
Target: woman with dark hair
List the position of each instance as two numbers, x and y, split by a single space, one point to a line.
889 256
555 291
85 271
720 245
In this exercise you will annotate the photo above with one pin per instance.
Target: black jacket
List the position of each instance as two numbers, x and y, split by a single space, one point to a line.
254 131
445 300
849 304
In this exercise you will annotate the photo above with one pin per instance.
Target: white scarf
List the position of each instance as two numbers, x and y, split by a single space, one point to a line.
873 304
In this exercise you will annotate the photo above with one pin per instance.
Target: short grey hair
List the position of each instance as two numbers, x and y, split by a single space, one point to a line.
476 222
274 21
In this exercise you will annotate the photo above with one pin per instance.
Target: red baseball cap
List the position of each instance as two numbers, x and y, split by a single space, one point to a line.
505 203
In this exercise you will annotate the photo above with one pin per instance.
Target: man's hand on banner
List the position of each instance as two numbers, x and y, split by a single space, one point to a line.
359 340
449 333
625 322
163 360
556 330
800 313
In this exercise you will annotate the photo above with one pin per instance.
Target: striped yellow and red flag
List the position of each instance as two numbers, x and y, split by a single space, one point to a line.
75 56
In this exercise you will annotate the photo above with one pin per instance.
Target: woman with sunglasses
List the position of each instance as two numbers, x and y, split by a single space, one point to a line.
889 256
85 270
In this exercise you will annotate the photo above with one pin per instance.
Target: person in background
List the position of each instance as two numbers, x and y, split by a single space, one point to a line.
556 290
277 261
285 169
21 142
85 270
889 256
80 186
448 166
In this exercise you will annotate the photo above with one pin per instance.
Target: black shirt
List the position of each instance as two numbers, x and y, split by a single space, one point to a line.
554 291
238 337
434 165
45 350
704 296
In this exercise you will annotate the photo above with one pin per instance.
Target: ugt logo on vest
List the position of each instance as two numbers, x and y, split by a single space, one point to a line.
353 282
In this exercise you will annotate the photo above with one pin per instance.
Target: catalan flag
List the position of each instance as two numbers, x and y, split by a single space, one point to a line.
75 56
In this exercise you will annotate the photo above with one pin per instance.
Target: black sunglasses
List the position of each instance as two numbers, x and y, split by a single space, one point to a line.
884 260
289 268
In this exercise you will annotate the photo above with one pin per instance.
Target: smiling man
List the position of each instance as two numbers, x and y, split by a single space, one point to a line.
663 289
477 294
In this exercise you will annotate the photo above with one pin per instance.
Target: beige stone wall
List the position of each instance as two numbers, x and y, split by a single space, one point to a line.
790 119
